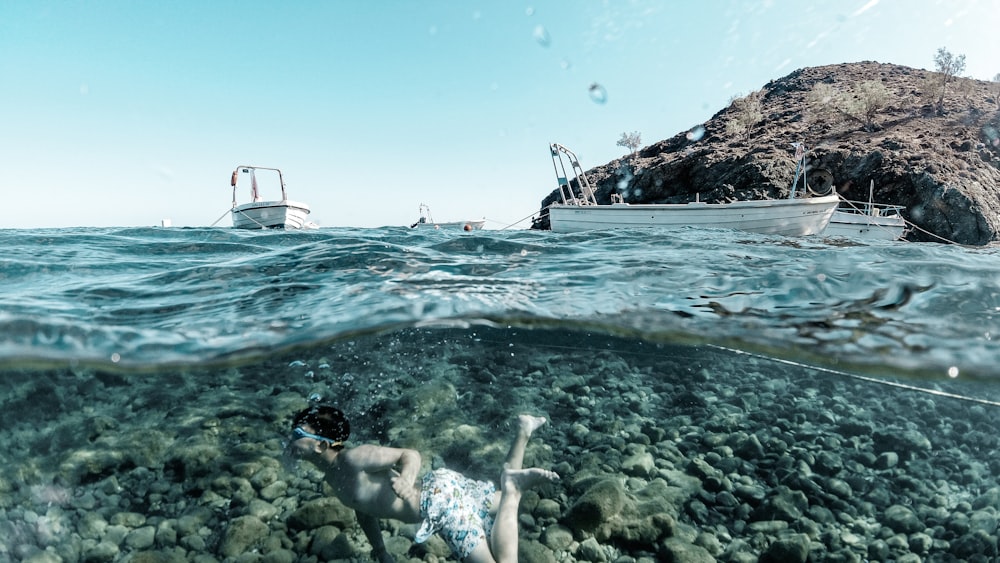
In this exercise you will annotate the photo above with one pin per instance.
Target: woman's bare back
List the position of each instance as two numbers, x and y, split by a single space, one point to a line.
365 478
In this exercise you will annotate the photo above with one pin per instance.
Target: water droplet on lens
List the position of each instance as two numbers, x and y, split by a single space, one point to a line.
565 64
597 93
696 134
116 357
542 36
953 372
315 398
529 11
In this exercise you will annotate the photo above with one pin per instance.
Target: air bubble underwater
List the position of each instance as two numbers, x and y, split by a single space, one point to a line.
626 179
541 36
598 94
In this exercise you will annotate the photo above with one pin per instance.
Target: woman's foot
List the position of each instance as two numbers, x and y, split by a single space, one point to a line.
528 424
517 480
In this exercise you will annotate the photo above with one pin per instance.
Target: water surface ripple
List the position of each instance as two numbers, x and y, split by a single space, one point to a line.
148 296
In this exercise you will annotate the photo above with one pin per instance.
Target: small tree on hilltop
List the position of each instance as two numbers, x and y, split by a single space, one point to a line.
949 66
748 112
861 104
824 100
870 97
632 141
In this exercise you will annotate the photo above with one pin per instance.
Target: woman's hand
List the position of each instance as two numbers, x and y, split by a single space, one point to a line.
404 488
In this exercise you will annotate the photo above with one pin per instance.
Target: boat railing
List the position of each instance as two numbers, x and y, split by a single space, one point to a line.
869 208
251 170
566 194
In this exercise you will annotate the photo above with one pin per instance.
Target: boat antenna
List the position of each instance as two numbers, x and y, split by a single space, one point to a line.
800 167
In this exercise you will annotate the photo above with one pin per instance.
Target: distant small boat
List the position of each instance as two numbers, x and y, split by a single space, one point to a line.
867 220
260 214
792 216
427 221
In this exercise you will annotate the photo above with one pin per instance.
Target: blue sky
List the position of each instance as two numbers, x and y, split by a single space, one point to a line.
126 113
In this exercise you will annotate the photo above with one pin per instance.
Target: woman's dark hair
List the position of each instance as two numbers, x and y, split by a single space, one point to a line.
325 421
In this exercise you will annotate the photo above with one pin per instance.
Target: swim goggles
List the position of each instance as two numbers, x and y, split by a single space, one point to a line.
298 433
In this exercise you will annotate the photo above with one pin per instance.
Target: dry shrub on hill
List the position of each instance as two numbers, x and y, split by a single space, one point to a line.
747 113
862 103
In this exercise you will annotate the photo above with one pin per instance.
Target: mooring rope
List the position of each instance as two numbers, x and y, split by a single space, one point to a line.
939 237
259 224
907 223
860 377
516 222
220 218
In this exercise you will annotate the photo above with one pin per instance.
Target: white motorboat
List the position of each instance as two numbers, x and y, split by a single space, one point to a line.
261 214
867 220
792 216
426 221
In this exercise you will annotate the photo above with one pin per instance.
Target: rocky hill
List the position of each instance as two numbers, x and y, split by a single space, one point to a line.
939 160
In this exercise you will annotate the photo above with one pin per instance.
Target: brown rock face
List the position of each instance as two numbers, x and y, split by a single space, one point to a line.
941 163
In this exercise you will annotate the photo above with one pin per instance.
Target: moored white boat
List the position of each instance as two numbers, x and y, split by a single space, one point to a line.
261 214
793 216
867 220
859 224
426 220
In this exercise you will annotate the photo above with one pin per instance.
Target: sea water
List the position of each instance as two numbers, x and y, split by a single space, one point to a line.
748 393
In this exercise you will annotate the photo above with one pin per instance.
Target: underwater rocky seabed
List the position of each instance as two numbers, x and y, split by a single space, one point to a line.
667 453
